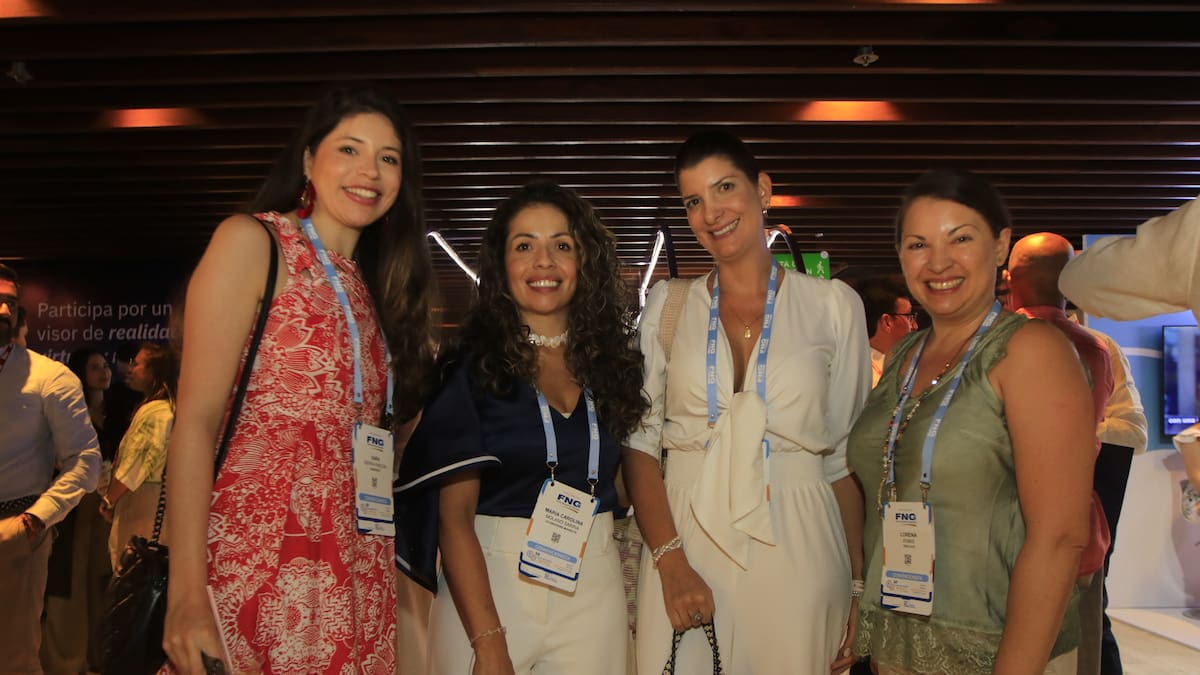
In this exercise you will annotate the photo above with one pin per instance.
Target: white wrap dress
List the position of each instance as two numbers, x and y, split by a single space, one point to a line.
779 569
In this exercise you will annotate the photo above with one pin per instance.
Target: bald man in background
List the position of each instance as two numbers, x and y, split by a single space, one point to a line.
1034 266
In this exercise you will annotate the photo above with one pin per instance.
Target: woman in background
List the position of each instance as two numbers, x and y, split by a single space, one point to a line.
79 566
546 360
137 476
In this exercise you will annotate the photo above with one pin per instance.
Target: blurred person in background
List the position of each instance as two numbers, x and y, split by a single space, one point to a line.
131 500
79 567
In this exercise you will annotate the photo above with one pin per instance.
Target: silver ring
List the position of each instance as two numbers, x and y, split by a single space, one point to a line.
697 617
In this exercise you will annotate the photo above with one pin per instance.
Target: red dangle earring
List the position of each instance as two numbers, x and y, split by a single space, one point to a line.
308 197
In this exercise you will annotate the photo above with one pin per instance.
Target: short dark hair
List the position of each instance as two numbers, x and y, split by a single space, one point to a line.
961 186
9 274
716 143
20 316
879 296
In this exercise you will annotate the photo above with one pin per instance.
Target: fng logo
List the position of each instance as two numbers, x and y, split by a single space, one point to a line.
906 516
573 503
375 441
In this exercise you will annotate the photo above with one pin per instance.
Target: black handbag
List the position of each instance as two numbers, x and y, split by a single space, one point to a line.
132 632
711 633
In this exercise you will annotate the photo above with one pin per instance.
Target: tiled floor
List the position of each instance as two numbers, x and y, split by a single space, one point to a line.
1145 653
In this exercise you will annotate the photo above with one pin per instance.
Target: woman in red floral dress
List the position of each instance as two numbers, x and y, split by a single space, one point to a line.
297 586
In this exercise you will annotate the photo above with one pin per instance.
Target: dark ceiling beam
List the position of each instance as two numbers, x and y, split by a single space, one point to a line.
788 89
637 139
771 156
400 64
65 11
797 171
613 216
31 41
982 115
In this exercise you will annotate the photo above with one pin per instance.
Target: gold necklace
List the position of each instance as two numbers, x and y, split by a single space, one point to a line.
747 333
904 422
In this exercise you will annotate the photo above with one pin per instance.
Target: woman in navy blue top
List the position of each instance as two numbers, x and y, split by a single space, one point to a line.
533 407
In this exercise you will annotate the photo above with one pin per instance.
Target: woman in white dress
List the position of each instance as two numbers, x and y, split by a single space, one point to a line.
757 524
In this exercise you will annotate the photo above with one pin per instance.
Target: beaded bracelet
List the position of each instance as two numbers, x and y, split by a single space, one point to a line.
501 630
666 548
857 588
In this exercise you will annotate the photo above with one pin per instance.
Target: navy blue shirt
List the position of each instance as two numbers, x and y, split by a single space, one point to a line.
465 429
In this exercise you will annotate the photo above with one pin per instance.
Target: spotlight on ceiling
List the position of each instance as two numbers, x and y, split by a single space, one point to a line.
866 56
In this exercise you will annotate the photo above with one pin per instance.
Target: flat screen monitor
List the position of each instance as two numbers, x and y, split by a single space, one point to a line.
1180 378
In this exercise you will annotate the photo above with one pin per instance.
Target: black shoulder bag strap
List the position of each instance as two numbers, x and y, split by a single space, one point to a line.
259 327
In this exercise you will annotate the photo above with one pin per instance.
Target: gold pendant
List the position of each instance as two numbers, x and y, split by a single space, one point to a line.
747 334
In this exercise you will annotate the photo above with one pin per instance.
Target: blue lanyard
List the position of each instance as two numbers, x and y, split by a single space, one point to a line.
593 475
764 342
340 291
938 415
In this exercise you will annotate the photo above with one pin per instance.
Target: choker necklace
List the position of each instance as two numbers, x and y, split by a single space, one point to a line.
553 341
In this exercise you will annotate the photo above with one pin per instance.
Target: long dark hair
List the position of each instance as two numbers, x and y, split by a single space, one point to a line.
77 363
392 252
601 351
162 363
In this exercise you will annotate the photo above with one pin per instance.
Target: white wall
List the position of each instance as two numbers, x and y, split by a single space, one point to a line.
1156 562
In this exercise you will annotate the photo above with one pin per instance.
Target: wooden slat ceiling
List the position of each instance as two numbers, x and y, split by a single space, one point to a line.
1085 114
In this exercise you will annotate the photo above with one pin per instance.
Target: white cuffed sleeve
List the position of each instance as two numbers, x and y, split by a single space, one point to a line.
850 374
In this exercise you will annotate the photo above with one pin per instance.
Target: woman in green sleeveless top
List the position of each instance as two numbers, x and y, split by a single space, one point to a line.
1005 476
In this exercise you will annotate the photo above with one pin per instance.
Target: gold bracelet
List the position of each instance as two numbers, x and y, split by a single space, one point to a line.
487 633
666 548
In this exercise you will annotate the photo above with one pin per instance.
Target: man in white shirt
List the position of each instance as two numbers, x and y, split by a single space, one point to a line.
45 425
890 316
1153 272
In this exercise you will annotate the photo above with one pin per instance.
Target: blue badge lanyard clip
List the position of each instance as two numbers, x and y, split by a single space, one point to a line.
938 415
764 344
340 291
593 475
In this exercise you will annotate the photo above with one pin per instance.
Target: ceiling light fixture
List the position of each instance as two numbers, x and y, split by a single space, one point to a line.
445 245
19 73
866 56
786 201
659 240
140 118
847 111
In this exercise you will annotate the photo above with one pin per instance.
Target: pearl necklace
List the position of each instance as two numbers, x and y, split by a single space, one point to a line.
552 342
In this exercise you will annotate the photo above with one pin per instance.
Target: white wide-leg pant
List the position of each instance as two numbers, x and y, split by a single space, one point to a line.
549 632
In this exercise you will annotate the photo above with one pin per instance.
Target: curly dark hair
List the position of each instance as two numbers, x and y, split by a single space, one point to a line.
601 353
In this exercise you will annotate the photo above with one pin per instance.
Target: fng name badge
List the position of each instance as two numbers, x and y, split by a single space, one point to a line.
906 581
557 535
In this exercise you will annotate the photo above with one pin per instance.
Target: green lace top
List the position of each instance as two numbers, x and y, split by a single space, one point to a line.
979 529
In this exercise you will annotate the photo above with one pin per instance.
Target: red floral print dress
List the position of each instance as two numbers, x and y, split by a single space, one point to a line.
298 589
